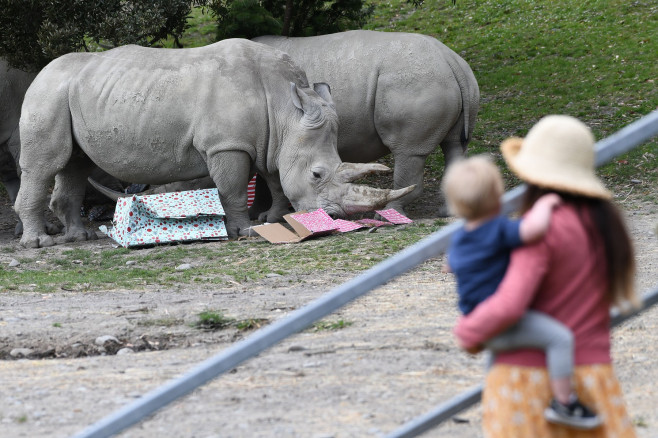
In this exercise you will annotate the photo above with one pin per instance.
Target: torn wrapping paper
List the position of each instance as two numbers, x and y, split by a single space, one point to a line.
168 217
251 191
393 216
319 223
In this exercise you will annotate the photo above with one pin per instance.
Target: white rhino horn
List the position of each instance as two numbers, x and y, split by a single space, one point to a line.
348 172
361 198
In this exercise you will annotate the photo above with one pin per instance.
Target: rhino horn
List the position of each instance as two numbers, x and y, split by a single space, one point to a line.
360 198
348 172
112 194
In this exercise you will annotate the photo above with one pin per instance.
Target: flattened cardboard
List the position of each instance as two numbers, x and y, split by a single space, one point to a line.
277 233
319 223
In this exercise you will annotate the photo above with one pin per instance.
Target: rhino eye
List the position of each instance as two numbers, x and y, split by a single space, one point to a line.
316 175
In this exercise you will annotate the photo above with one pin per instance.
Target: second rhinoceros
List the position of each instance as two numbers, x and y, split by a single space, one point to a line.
398 93
13 85
160 115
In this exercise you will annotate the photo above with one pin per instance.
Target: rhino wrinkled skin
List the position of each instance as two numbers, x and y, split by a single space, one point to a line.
13 85
396 93
156 116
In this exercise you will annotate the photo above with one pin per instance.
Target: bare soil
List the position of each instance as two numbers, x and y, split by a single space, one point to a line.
395 359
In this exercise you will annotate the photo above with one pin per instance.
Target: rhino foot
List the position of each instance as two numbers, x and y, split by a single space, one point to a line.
443 211
40 241
53 228
50 228
76 235
273 215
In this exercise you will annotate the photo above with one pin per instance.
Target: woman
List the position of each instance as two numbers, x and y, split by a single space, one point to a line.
582 267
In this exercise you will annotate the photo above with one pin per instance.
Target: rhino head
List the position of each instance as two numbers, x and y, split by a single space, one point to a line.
311 172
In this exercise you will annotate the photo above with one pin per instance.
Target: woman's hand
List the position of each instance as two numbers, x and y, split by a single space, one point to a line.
469 349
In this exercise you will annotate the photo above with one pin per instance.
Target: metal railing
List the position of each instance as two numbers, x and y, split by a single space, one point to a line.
402 262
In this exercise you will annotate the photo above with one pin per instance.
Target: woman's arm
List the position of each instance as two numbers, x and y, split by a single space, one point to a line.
527 268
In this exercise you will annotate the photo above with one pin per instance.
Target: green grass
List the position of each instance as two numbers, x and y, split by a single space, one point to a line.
221 263
330 325
595 60
202 30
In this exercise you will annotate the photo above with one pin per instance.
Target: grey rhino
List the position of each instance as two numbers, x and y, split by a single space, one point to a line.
160 115
13 85
398 93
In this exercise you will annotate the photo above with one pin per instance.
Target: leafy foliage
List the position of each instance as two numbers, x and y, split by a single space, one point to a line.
251 18
34 32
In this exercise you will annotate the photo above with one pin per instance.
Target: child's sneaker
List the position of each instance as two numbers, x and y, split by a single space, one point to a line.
575 414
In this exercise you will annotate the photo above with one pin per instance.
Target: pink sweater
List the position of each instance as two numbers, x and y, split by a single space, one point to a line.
563 276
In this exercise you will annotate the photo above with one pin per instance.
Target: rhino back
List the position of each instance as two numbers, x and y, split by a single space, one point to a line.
13 85
375 73
146 114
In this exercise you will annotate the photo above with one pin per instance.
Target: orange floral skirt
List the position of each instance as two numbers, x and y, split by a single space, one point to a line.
515 397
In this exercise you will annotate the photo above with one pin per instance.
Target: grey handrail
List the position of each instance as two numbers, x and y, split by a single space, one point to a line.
432 246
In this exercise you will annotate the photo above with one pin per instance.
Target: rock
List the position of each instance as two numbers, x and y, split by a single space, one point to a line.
131 262
125 350
183 267
13 263
273 275
102 340
21 352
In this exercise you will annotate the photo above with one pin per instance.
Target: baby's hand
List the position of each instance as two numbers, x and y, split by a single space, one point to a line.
550 200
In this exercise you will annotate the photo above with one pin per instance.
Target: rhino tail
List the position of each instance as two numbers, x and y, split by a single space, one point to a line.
469 90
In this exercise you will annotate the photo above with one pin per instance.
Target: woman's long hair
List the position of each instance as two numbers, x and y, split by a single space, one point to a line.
611 229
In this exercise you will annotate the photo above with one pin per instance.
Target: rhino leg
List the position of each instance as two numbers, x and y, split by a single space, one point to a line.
46 148
230 170
453 147
279 205
67 198
30 204
408 171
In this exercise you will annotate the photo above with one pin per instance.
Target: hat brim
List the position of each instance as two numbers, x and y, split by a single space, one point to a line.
547 175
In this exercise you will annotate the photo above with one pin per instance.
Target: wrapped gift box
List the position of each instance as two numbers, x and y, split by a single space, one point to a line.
168 217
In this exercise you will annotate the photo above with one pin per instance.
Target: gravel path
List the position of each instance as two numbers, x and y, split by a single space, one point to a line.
394 360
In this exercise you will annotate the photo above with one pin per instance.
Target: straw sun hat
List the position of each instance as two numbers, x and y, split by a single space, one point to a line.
557 153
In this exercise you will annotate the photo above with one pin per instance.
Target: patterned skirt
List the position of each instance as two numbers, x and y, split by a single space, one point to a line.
515 397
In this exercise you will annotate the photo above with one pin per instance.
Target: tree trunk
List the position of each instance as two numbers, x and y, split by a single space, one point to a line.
286 19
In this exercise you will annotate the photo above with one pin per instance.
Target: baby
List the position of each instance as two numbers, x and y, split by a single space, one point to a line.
479 254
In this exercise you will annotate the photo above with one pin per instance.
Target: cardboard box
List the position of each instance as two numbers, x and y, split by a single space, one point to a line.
319 223
304 225
168 217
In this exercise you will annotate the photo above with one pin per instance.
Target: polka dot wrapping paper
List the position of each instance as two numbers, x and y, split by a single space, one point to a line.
168 217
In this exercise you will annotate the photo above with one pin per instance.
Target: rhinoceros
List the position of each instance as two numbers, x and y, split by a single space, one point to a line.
13 85
155 116
398 93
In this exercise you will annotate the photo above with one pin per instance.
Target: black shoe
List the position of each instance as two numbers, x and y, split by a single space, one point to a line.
574 414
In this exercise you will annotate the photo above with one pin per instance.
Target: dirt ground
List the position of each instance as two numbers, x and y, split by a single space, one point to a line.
395 361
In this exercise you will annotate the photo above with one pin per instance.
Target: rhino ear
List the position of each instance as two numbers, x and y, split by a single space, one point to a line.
295 96
324 91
